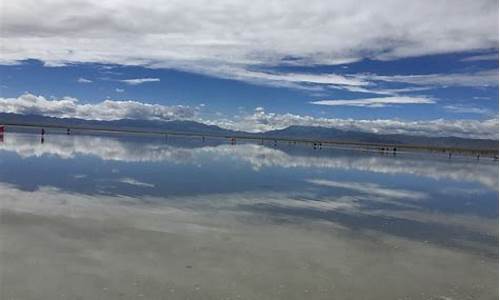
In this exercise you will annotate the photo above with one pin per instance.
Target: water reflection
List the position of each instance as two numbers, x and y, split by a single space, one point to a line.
192 218
192 151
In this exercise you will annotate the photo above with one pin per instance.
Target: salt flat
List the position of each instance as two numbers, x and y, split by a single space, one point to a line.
91 217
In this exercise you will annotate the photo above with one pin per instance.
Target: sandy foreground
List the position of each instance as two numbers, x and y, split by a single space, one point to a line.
59 245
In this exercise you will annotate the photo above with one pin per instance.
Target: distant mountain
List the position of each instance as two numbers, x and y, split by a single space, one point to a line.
292 132
323 133
124 124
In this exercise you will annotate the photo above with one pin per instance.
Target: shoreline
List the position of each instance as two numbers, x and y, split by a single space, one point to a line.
316 143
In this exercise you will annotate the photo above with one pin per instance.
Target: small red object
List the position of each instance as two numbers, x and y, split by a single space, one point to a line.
2 129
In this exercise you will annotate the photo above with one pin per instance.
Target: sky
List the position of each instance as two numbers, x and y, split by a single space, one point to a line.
416 67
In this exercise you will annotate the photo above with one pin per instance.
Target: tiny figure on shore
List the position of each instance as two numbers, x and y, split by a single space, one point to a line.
43 131
449 155
68 131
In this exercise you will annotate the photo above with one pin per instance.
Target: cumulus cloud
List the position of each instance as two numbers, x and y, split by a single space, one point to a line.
258 121
84 80
118 90
68 107
376 102
138 81
240 32
261 120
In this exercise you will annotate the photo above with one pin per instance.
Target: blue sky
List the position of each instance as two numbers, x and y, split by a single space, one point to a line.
433 71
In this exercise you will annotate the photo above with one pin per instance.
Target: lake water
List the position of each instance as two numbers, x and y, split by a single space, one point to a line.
136 217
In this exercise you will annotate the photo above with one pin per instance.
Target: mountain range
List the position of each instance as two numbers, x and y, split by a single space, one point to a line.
292 132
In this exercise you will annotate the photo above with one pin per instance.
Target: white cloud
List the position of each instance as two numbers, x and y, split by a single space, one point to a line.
359 83
382 91
190 34
137 81
481 78
261 121
481 57
468 109
234 40
118 90
84 80
376 102
295 80
68 107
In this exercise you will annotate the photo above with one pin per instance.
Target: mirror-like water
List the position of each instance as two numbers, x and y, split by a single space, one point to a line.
130 217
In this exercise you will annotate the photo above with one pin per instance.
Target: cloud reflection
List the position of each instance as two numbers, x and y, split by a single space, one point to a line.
134 241
371 189
336 228
258 156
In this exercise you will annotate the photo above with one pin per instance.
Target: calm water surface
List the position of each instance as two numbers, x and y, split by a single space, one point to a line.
134 217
